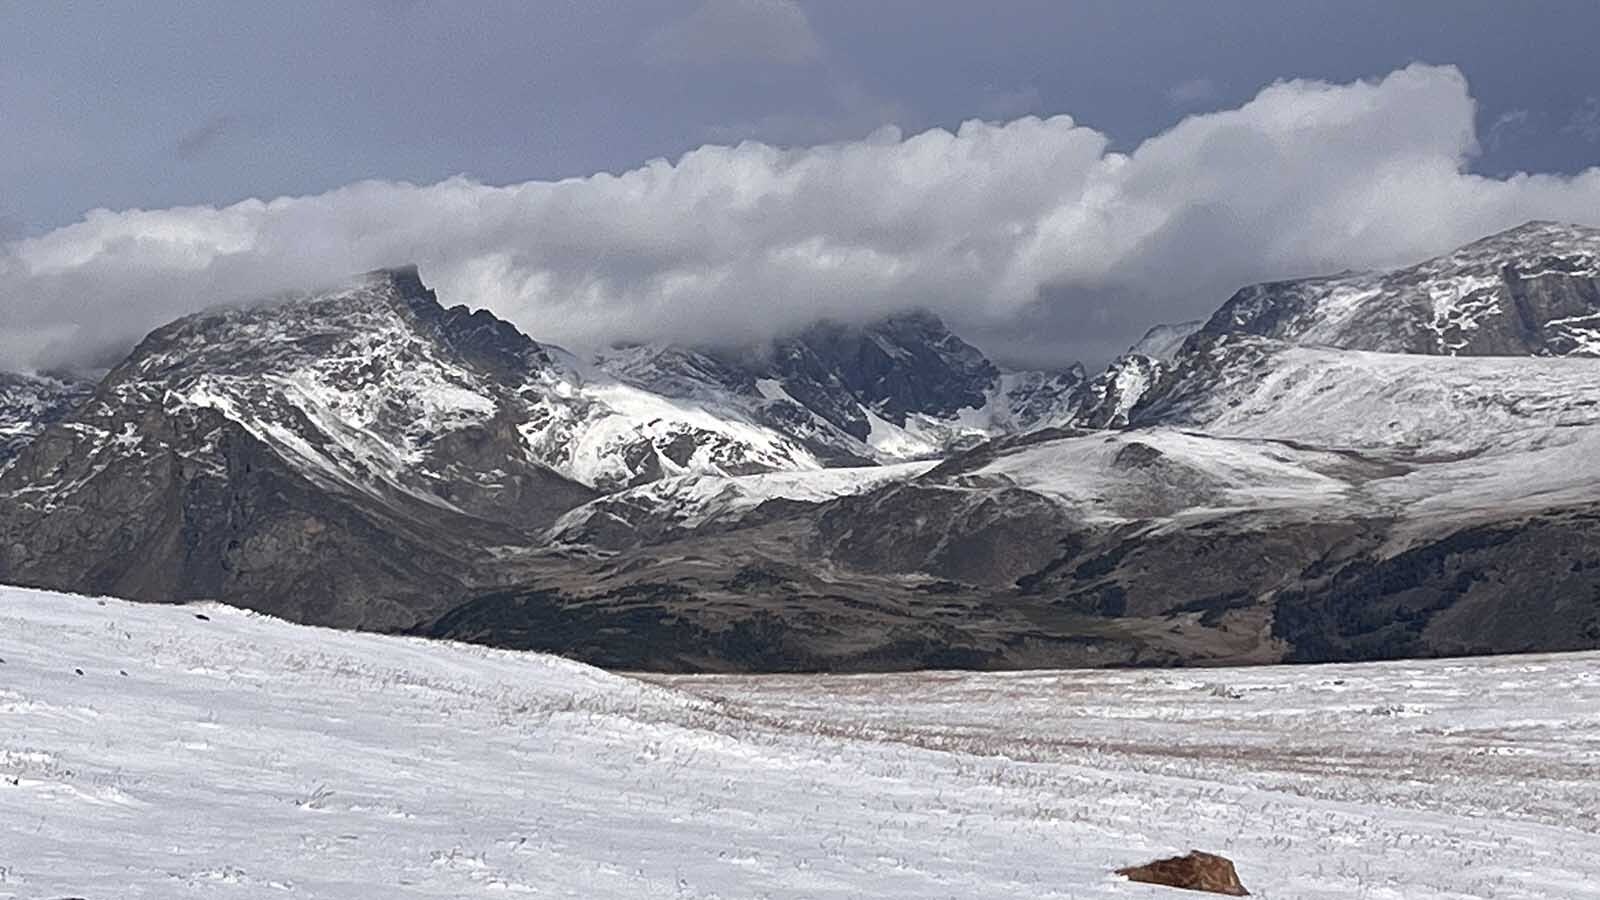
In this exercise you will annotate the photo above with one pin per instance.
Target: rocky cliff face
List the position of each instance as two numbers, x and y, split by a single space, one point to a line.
30 403
902 366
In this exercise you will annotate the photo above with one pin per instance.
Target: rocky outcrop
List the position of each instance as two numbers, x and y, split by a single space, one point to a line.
31 403
1112 397
1194 871
904 364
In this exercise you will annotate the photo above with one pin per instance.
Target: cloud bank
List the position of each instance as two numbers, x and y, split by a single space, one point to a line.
1031 235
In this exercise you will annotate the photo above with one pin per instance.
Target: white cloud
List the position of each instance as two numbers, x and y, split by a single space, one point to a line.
1030 234
738 31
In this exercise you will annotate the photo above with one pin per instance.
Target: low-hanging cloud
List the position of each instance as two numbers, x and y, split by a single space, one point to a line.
1031 235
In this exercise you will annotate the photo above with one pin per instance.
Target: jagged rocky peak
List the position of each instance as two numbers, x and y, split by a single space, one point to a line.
902 364
307 325
477 334
371 387
1040 398
360 442
1531 290
897 388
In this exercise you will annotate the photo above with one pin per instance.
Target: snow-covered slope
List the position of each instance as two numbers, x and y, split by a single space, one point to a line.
673 506
1487 433
1532 290
161 751
1165 473
612 434
1387 401
1261 426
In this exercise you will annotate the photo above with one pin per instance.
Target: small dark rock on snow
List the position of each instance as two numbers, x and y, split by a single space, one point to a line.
1195 872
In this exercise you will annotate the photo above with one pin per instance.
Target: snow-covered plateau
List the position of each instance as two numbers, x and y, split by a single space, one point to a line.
203 751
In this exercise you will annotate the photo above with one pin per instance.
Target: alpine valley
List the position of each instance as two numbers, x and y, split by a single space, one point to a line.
1360 466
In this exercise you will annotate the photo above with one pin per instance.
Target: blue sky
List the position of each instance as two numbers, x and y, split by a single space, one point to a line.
160 103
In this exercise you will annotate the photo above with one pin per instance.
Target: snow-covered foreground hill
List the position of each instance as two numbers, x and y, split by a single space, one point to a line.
162 751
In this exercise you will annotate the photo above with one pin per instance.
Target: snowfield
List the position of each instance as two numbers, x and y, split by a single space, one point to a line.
209 752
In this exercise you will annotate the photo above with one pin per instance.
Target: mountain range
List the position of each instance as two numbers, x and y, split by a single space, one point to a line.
1366 465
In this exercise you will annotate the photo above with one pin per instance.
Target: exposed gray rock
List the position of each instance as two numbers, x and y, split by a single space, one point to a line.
30 403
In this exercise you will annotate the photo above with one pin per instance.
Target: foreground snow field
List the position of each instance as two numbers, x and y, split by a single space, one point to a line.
239 756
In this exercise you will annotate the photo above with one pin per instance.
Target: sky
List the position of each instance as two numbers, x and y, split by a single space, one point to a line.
1053 178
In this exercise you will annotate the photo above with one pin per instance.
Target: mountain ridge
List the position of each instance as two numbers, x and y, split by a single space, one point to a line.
1349 466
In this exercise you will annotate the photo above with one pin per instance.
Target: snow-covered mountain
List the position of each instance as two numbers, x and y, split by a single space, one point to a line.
1342 467
246 452
361 444
1267 490
903 388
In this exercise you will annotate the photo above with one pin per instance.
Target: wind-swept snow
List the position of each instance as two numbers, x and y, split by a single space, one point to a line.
237 756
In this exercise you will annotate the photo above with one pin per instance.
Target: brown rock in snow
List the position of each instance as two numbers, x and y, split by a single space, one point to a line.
1195 872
